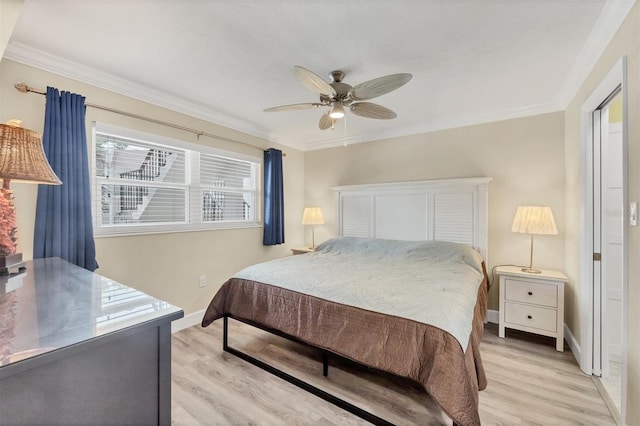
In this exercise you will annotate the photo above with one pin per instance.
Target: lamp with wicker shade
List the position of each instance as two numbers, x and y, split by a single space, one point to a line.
534 220
22 159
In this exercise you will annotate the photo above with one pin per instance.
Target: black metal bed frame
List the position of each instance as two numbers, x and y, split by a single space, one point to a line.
371 418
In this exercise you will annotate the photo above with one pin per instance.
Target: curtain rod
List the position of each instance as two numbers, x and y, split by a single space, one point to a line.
24 88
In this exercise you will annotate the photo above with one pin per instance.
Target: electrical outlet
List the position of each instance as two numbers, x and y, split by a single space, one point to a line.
203 280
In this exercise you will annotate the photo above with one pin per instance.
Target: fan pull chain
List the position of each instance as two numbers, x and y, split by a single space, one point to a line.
345 130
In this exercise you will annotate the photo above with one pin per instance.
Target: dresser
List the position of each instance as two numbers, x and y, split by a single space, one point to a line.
532 302
79 348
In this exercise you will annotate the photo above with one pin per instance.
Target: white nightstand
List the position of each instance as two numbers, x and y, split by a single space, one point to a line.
301 250
532 302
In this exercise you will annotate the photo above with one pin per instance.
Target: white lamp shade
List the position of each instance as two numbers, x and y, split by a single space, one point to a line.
534 220
312 216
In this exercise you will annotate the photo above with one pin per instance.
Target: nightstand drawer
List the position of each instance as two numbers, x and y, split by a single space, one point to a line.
531 316
531 292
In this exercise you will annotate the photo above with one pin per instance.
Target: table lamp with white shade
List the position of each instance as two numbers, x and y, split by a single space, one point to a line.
534 220
312 216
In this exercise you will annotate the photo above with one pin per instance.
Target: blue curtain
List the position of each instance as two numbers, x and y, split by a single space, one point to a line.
273 198
63 213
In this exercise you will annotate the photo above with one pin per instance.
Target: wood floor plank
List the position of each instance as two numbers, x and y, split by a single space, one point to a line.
530 383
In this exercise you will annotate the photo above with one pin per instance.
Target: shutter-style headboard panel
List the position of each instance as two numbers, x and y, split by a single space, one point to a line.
444 209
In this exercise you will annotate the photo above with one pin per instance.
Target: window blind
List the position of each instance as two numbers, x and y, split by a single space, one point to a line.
145 187
228 189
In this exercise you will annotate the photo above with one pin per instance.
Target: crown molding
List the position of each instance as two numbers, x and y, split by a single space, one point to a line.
333 142
613 14
36 58
461 121
42 60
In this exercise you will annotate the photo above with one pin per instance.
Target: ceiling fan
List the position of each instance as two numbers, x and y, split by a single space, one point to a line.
338 95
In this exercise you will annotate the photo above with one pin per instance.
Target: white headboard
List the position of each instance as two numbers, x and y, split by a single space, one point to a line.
444 209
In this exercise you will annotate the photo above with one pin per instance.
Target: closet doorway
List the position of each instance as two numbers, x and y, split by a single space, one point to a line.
605 248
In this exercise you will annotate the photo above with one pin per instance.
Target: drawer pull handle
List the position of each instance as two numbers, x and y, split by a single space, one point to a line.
529 316
530 293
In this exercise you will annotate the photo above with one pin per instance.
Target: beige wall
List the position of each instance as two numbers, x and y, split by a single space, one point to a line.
525 158
167 266
533 160
625 43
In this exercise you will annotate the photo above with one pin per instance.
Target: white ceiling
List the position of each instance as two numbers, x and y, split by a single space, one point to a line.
225 61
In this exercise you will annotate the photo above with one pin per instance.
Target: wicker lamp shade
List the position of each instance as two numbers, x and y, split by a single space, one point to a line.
22 157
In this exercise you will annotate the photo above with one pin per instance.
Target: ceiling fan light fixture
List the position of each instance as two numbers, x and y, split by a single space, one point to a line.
337 111
337 94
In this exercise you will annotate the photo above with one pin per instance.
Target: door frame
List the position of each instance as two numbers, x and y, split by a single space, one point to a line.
617 77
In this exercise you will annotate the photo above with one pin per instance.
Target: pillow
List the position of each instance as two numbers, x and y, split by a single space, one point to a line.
428 251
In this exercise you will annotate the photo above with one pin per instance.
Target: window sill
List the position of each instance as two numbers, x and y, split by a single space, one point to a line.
145 230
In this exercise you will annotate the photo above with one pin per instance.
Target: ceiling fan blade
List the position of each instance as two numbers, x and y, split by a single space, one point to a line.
370 110
293 107
313 82
325 121
378 86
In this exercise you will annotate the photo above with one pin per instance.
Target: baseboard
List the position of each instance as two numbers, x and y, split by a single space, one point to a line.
187 321
492 316
573 344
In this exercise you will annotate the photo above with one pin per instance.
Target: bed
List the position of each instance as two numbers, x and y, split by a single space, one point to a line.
413 306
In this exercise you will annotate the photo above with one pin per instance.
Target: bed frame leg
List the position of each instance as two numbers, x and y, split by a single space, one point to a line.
325 364
371 418
225 334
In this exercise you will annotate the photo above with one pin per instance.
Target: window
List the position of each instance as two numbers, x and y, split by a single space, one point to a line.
147 184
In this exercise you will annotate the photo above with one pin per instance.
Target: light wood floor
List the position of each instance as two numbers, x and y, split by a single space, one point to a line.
529 384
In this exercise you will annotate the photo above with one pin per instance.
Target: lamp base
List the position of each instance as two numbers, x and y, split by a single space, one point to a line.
531 271
11 264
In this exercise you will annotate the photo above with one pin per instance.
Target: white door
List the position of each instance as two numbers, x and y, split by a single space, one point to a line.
608 265
611 237
604 232
596 367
